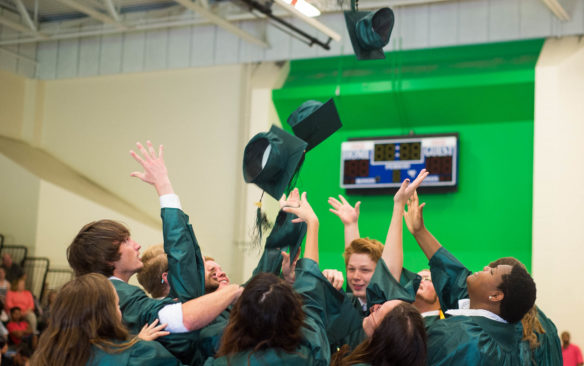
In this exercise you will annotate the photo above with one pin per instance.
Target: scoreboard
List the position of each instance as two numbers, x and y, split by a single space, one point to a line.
386 162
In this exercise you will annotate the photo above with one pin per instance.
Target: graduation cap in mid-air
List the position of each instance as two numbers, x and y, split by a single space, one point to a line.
314 121
369 31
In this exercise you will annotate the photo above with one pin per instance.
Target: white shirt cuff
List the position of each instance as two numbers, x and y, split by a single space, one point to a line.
172 315
170 201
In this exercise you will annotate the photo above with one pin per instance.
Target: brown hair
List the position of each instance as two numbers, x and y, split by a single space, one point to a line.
268 314
368 246
207 258
85 313
400 340
155 264
530 321
96 247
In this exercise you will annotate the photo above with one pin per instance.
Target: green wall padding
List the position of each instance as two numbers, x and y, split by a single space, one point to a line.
484 92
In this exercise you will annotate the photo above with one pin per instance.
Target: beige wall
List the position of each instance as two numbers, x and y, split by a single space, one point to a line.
558 245
84 128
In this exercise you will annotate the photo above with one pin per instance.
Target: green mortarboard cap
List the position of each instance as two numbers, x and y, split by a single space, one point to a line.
271 159
285 233
369 32
314 121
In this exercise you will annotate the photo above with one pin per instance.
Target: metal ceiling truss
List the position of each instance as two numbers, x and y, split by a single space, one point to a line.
108 17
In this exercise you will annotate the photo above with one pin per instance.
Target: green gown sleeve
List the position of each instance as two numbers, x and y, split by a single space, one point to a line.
384 287
549 351
138 309
449 279
140 354
186 268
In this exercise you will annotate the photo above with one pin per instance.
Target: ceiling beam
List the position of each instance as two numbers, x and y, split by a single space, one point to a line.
93 13
221 22
21 27
25 15
557 9
111 8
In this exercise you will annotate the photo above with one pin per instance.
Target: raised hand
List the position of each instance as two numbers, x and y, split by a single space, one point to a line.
304 211
293 199
343 209
414 215
155 172
152 331
289 271
406 190
334 277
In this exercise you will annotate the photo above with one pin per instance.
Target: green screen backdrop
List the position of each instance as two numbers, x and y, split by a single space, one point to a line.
483 92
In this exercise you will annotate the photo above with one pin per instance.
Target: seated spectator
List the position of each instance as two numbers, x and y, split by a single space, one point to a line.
85 328
19 296
19 330
4 285
13 270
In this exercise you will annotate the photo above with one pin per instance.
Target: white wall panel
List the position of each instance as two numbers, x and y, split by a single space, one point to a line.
443 24
156 52
576 24
473 21
415 26
68 59
504 20
536 19
202 48
110 60
47 57
299 49
89 50
250 52
179 48
279 44
226 47
133 53
27 68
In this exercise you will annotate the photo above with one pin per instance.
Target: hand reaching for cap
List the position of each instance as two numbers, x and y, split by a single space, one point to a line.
304 211
155 172
414 216
343 209
407 189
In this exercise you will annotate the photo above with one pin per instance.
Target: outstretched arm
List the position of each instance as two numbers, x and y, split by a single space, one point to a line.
201 311
393 254
306 214
415 223
349 216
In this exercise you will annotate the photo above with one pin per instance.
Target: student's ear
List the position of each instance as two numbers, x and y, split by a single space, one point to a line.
165 277
496 296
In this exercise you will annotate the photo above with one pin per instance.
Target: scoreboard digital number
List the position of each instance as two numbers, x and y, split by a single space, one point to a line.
386 162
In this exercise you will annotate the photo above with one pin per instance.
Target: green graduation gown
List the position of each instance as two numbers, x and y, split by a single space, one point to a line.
466 340
140 354
348 328
186 268
313 349
549 351
186 275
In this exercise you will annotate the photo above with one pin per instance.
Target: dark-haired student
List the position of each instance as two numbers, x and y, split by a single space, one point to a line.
540 345
488 331
271 323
